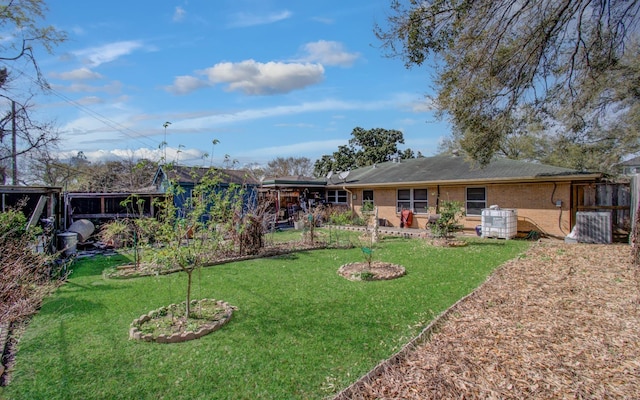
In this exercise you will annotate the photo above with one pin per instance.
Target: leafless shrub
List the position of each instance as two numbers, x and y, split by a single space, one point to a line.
26 274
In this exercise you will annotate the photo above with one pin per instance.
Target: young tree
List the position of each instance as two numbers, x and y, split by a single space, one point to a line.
497 63
447 223
194 233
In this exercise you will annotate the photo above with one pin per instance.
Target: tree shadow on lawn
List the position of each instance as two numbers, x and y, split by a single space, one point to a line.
67 302
492 243
102 286
95 266
70 305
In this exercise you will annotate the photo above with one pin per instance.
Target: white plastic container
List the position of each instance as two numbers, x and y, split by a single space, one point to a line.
501 223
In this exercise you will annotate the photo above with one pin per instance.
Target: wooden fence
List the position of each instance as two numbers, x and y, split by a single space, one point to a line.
612 197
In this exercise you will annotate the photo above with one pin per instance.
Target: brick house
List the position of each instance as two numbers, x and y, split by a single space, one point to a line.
631 166
546 197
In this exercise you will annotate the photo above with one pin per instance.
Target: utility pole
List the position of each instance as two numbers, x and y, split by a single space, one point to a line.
166 124
14 150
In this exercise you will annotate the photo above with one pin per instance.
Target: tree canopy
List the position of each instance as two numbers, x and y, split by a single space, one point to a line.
289 166
82 175
23 29
566 69
366 147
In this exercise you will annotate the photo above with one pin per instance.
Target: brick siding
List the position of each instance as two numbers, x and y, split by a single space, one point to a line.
535 204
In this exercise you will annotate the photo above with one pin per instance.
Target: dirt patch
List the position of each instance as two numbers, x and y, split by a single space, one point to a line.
562 321
377 270
439 242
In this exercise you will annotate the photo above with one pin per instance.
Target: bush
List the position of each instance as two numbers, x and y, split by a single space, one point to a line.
117 233
450 213
26 274
342 215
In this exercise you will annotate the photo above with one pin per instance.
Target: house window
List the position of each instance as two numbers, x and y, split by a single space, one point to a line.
476 200
337 196
412 199
367 200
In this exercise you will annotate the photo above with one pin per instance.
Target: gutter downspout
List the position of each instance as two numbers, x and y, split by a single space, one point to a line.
350 199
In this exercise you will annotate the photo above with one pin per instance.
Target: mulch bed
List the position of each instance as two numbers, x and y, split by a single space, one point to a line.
562 321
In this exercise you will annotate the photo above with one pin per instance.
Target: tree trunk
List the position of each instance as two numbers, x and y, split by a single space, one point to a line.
188 305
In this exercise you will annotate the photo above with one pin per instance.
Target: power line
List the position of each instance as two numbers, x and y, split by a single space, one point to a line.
94 114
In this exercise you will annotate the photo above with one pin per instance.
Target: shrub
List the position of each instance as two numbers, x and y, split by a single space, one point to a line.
342 215
450 213
26 274
117 233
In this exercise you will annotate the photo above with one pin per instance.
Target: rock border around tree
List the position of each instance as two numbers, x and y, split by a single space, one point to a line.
220 319
376 271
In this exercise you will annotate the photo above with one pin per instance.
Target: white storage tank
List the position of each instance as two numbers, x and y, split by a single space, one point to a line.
501 223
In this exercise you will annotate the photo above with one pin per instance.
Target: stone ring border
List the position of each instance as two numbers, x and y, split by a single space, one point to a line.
136 334
379 269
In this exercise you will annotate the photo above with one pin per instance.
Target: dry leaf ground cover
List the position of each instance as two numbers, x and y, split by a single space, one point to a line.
561 322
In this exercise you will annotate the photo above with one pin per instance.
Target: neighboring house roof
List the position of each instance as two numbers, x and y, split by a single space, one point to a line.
631 166
294 180
446 169
632 162
192 175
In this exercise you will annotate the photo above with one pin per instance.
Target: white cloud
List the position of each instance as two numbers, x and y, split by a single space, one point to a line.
254 78
424 105
214 120
179 14
78 30
111 88
329 53
117 154
90 100
408 121
295 125
80 74
240 20
323 146
95 56
185 84
322 20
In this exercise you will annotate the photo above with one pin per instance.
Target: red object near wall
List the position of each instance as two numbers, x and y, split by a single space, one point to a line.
406 218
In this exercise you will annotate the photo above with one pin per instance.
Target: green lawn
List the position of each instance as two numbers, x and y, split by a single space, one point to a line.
300 332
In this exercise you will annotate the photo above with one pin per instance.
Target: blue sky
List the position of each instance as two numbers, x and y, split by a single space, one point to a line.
265 78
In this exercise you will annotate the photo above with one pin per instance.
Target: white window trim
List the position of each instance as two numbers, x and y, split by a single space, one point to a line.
412 200
467 201
333 199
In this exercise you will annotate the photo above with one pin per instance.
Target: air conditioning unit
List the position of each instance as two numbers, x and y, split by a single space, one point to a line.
594 227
